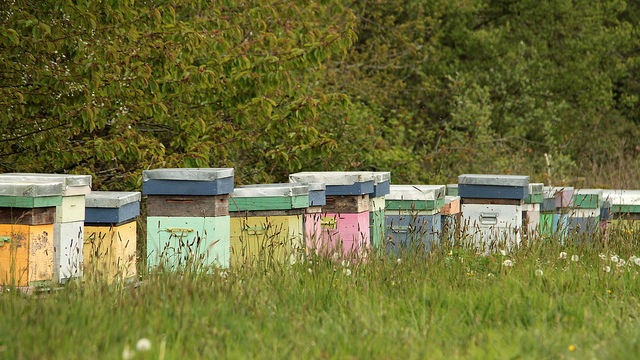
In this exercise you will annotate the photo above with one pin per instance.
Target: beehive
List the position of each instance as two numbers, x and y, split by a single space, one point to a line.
111 234
267 223
413 217
188 221
27 215
377 222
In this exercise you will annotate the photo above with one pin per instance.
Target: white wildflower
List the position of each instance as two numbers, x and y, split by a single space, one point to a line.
335 256
143 344
637 261
399 261
128 354
539 272
507 263
309 270
575 258
223 274
603 256
621 263
615 258
345 263
606 269
503 253
347 272
563 255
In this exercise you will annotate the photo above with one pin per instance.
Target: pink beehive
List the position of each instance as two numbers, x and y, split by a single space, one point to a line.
346 234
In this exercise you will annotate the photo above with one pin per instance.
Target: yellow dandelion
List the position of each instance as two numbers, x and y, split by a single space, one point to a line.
393 283
572 348
609 291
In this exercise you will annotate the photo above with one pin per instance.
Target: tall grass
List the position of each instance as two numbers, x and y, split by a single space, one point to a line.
449 303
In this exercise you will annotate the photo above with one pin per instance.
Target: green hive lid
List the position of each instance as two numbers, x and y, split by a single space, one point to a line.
416 192
188 174
271 190
30 189
536 188
452 189
332 178
68 180
493 180
111 199
381 176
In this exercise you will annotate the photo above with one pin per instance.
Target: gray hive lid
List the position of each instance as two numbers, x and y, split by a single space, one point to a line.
536 188
187 174
591 192
332 178
317 186
381 176
69 180
30 189
270 190
493 180
554 191
449 199
416 192
111 199
622 197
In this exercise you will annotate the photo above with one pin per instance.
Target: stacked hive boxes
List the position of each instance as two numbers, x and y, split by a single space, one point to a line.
267 222
547 209
27 216
563 203
68 233
188 216
492 208
110 234
531 210
313 214
625 208
450 218
585 214
413 217
345 218
381 187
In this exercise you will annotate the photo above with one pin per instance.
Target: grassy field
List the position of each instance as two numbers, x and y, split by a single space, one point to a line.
544 301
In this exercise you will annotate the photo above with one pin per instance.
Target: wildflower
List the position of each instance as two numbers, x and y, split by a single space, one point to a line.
470 273
399 261
563 255
143 344
462 260
292 260
393 283
603 256
127 354
606 269
609 291
572 348
621 263
223 274
450 253
615 258
508 263
309 271
637 261
503 253
575 258
347 272
345 263
490 275
539 272
335 256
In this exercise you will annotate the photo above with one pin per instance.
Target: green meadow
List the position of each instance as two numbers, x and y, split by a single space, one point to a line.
542 301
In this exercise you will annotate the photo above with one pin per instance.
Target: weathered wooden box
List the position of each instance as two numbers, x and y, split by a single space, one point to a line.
267 223
267 236
492 226
339 182
493 186
110 235
188 181
411 231
346 234
26 232
452 190
531 211
584 217
450 218
179 242
625 209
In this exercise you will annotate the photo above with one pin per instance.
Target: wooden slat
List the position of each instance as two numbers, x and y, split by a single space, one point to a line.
188 205
346 204
21 216
263 213
480 201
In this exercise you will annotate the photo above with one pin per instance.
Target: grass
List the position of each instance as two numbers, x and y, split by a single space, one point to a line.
450 303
